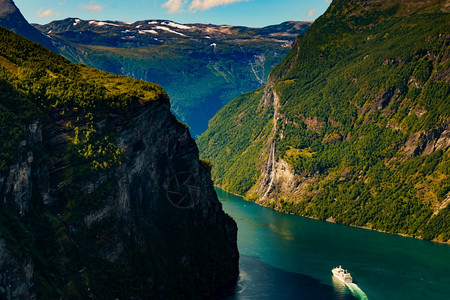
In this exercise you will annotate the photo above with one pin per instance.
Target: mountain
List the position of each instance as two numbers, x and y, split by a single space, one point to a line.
103 193
353 125
202 67
12 18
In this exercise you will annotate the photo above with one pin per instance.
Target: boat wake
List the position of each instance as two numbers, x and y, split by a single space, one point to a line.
356 291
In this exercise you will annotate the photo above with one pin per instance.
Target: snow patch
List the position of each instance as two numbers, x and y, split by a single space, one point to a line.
139 26
148 31
76 22
102 23
176 25
213 45
105 23
168 30
49 32
152 23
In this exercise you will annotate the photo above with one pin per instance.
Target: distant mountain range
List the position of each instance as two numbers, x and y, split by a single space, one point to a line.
201 67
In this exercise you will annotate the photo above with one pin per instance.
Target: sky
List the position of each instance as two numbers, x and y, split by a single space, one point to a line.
252 13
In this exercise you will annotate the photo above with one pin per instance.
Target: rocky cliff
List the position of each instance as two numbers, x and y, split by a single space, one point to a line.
103 193
352 126
16 279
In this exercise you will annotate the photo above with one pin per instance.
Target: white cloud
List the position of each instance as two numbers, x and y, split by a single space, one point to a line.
311 13
207 4
44 13
92 6
173 6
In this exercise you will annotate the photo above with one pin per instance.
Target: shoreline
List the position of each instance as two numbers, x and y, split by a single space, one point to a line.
332 221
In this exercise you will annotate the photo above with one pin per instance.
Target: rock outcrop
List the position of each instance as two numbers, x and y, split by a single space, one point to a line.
16 280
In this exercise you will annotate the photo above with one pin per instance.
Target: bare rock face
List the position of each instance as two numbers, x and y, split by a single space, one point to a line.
424 143
16 280
18 184
150 227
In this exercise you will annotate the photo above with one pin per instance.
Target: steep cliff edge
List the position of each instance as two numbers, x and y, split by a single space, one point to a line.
103 194
353 126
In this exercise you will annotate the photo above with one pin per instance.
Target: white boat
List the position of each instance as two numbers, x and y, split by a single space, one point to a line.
342 275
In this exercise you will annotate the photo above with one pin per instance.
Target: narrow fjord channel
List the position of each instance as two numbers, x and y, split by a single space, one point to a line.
291 257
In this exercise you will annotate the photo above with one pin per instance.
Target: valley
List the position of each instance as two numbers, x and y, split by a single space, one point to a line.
202 67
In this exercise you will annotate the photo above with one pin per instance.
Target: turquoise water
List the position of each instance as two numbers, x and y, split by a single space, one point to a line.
291 257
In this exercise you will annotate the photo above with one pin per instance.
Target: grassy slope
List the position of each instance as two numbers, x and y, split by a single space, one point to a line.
366 79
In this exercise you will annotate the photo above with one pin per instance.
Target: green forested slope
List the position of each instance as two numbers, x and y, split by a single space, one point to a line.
235 140
362 122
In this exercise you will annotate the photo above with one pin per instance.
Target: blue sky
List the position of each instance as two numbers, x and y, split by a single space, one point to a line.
254 13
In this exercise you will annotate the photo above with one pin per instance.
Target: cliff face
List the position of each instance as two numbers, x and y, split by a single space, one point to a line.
105 200
352 126
16 280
